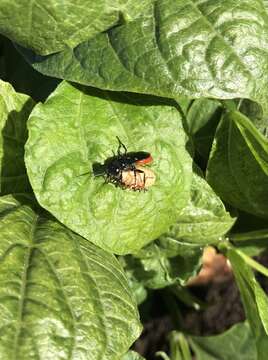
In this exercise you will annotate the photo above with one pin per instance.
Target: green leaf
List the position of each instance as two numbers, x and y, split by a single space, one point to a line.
262 304
15 109
77 128
185 47
164 263
132 355
236 343
202 119
48 26
61 297
251 243
254 299
204 220
200 113
253 111
184 103
249 234
137 287
238 165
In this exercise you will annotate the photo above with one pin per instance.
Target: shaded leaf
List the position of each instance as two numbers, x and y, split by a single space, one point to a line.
77 128
251 242
248 233
238 164
23 77
188 47
53 25
137 287
184 103
200 113
254 112
164 263
204 220
15 109
234 343
202 119
61 297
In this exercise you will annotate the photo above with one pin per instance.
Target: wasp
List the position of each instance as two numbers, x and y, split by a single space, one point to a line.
125 169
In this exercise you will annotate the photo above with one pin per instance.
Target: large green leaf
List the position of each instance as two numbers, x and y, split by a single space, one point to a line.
204 220
76 128
61 297
15 109
163 263
49 26
238 164
186 47
234 344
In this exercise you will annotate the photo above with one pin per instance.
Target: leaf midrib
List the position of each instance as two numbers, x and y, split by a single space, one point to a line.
23 289
101 314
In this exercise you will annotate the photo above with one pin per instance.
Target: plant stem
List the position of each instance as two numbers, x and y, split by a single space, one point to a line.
251 235
254 264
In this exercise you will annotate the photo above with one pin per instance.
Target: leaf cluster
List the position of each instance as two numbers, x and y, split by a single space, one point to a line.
184 80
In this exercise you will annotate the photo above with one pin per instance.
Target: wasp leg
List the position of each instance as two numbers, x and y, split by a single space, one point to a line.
107 179
135 174
144 181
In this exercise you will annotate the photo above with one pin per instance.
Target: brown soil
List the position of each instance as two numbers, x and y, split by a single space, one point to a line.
218 291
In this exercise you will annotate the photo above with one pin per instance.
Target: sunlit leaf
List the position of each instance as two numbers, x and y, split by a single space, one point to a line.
61 297
77 128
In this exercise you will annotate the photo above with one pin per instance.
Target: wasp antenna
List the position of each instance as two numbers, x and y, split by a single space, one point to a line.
84 174
120 145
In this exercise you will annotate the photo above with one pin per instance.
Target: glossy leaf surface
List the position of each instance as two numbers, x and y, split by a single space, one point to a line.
61 297
188 47
76 130
48 26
